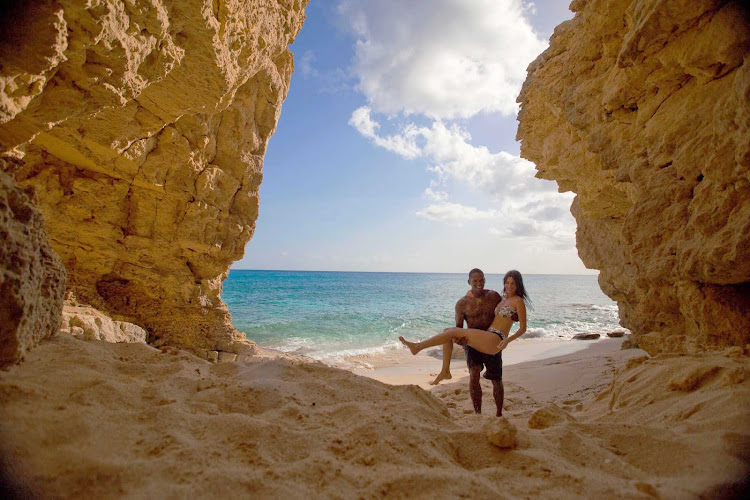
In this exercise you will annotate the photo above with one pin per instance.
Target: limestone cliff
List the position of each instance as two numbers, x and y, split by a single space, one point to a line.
143 125
32 277
642 108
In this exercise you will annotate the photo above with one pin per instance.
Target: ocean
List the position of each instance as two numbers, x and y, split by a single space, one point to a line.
333 315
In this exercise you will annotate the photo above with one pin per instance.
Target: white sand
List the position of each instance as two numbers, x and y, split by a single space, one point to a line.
87 419
399 367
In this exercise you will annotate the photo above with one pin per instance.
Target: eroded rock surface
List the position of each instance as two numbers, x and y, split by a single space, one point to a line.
88 323
143 126
32 277
642 108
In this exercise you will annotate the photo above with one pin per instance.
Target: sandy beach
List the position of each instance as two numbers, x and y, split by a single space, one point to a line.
95 419
399 367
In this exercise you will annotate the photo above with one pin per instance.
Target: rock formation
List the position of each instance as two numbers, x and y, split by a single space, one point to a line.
143 125
88 323
501 433
642 108
32 277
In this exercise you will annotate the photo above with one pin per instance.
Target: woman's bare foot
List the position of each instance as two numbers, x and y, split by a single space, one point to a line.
411 345
441 376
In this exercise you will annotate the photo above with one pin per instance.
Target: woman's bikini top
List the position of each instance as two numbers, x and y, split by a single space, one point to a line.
506 312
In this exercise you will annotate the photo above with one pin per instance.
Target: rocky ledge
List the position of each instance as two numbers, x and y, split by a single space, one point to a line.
142 128
642 108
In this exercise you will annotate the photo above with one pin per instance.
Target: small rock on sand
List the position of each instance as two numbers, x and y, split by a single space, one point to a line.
549 416
616 334
586 336
501 433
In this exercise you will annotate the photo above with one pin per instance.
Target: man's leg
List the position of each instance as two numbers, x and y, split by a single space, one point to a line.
475 389
475 365
494 366
498 390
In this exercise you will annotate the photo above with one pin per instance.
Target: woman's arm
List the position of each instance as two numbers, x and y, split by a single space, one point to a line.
521 310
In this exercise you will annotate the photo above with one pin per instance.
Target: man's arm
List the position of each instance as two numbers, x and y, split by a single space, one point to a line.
460 317
460 314
494 298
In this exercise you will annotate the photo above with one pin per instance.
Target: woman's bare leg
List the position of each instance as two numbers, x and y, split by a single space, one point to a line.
441 338
445 372
480 340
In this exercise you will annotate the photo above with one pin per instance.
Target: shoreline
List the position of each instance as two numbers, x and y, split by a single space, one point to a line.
399 367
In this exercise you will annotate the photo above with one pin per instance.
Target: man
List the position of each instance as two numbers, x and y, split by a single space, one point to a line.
477 309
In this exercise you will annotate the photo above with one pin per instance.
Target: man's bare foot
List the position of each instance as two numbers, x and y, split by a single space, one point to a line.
441 376
411 345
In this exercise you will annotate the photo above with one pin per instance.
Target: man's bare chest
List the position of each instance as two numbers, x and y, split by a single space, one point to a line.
479 308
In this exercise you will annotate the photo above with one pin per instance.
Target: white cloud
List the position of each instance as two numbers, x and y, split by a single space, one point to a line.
363 123
454 158
445 60
523 205
560 232
441 58
506 222
454 212
500 174
434 195
402 144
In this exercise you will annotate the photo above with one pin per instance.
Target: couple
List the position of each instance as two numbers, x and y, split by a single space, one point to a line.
489 318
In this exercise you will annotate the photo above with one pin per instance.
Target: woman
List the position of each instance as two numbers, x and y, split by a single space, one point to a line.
495 339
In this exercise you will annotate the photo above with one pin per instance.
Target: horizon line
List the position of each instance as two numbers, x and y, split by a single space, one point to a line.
401 272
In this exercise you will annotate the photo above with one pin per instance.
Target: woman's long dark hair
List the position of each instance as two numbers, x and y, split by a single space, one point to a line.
520 289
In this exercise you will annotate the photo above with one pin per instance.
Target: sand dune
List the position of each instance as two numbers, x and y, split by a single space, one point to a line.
94 419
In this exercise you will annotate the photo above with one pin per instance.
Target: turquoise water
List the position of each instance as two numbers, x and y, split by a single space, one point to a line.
327 315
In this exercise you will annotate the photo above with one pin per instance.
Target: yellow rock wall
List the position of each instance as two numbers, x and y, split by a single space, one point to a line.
642 108
143 125
32 277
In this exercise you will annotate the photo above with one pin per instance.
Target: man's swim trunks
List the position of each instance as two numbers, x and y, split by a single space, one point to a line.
492 362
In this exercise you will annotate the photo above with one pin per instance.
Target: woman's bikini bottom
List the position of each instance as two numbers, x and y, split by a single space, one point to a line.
496 332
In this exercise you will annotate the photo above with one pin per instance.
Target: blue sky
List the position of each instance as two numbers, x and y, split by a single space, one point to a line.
396 151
